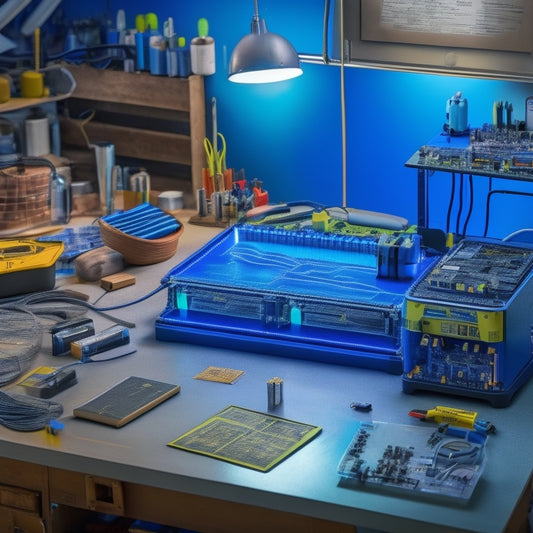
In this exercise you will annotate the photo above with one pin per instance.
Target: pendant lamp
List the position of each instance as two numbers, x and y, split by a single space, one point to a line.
262 56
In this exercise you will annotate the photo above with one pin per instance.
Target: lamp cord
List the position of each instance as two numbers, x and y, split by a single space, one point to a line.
325 26
343 108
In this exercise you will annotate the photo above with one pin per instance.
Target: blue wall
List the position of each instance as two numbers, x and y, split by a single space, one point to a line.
289 134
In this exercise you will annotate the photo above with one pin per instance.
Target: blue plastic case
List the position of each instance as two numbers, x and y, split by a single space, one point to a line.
301 294
468 326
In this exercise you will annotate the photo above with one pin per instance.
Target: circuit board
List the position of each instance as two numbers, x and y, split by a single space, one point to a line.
507 152
444 462
481 273
467 364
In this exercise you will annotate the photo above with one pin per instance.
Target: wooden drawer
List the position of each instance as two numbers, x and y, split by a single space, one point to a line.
178 509
23 497
12 520
18 498
21 474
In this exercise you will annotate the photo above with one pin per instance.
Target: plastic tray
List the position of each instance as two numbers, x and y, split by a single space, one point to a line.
444 463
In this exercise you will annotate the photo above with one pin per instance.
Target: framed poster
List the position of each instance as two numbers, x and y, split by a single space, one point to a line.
480 38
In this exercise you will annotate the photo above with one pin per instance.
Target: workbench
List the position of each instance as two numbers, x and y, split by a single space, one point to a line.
61 480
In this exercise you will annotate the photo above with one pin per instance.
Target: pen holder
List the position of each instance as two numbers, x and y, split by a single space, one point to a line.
217 183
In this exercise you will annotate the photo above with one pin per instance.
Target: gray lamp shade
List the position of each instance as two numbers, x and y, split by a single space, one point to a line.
263 57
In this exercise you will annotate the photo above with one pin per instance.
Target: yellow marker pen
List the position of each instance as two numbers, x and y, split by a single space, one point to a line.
454 417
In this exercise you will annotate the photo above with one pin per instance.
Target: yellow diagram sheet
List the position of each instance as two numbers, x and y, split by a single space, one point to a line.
247 438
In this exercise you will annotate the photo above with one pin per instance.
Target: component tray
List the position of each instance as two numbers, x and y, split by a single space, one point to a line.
416 461
300 294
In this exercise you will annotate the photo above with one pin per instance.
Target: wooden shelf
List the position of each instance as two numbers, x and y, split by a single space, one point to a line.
57 79
154 121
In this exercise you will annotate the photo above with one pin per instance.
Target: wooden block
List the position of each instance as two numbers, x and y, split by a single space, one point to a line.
117 281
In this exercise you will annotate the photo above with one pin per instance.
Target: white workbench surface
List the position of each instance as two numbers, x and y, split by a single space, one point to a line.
316 393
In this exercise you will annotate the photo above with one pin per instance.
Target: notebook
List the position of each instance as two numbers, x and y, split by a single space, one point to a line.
126 401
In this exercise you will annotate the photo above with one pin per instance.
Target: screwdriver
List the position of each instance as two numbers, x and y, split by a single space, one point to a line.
454 417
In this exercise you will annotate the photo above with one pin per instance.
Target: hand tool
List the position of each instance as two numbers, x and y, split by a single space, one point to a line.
454 417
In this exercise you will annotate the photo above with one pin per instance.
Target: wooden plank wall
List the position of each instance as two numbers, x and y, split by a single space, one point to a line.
154 122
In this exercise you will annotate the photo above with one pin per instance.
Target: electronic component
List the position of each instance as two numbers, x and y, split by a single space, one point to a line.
490 149
105 340
64 333
69 324
361 406
466 326
275 392
46 382
447 464
300 292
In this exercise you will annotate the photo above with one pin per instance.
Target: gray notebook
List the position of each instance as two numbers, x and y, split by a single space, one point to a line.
126 401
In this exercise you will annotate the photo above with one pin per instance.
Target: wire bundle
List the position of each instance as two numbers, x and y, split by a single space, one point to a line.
24 413
21 326
20 340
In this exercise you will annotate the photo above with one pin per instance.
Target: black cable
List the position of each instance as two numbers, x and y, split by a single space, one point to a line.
470 209
460 209
325 27
489 196
450 204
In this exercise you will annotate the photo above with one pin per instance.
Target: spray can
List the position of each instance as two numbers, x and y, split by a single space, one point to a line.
203 51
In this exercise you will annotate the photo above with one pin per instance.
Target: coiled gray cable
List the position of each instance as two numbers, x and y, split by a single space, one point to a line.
24 413
21 326
20 340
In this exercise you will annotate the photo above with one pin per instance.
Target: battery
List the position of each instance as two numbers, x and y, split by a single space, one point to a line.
275 391
107 339
48 385
64 333
69 324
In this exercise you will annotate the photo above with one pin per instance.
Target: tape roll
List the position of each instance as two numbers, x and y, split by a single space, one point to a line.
170 200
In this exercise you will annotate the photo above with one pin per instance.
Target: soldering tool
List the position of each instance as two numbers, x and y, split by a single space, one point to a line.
454 417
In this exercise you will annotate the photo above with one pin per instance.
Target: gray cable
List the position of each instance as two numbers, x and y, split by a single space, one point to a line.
20 340
24 413
21 327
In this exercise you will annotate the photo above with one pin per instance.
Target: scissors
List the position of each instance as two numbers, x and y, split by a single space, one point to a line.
216 160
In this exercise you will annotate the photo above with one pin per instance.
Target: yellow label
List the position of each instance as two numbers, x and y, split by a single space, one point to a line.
459 323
